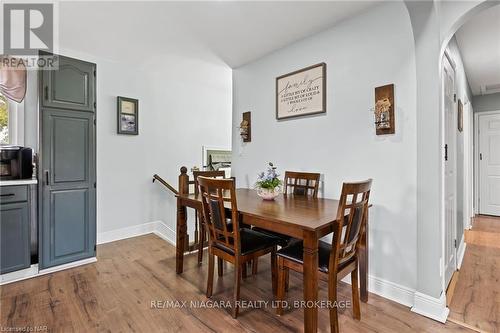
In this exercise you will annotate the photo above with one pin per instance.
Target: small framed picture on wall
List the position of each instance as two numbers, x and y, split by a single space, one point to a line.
128 115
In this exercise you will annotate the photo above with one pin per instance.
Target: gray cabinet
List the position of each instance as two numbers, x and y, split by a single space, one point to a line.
70 87
14 229
67 169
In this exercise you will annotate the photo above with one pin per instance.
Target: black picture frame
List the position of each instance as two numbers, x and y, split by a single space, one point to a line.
127 120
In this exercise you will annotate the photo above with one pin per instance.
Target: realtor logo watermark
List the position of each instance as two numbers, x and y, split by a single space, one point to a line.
27 29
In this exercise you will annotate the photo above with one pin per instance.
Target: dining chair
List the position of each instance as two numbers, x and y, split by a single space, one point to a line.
338 258
199 227
295 183
232 244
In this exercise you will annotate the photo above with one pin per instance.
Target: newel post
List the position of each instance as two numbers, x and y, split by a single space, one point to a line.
183 181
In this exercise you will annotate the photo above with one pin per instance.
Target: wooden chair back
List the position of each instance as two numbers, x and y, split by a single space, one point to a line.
301 183
214 193
209 174
353 207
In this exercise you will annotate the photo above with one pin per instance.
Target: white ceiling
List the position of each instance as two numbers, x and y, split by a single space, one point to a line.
234 33
479 44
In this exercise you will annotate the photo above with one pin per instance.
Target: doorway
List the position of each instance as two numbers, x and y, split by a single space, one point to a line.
450 179
488 162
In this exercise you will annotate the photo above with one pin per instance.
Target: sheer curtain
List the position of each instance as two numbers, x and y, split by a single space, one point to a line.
12 78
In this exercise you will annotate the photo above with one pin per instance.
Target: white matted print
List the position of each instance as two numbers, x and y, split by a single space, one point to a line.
302 92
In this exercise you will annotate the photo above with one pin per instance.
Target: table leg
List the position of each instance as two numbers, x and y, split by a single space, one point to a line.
181 236
363 263
310 281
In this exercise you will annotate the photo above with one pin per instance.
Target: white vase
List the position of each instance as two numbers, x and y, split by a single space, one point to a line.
268 193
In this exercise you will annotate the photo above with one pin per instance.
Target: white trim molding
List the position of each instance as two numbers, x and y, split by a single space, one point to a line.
165 232
389 290
461 252
158 228
22 274
66 266
431 307
33 271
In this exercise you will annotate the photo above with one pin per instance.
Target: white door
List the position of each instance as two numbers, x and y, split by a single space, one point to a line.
450 125
489 164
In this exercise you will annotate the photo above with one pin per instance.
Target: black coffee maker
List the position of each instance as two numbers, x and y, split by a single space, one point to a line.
16 162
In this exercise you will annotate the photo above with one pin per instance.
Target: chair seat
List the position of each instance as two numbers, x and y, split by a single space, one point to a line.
251 241
295 252
283 240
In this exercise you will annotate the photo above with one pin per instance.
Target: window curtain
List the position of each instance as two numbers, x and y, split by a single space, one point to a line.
12 78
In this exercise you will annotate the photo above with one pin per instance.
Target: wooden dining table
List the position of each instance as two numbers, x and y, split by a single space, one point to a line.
304 218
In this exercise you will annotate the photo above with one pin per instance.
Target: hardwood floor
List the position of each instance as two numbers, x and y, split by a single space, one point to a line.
115 295
476 298
486 223
485 231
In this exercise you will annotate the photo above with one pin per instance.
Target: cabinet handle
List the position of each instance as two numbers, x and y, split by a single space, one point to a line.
7 195
47 177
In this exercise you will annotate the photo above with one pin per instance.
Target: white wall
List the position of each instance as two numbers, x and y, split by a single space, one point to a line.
183 104
370 50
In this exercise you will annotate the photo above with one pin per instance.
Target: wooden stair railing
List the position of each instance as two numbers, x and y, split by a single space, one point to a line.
184 184
164 183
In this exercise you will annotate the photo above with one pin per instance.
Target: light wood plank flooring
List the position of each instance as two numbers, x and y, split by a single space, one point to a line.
115 295
476 298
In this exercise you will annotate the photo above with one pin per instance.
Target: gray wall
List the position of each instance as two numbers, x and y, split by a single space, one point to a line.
489 102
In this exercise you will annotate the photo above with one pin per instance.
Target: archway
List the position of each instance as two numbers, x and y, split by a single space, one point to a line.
433 23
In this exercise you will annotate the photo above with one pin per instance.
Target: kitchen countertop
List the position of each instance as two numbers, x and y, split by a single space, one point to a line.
18 182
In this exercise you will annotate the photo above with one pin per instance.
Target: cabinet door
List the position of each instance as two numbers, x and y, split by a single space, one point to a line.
68 206
70 87
14 237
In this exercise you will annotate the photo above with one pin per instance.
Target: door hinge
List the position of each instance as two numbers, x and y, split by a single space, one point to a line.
480 156
446 152
95 105
455 243
454 97
95 247
94 73
95 121
95 185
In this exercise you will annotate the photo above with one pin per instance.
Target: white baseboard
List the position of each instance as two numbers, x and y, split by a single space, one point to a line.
431 307
33 271
390 290
386 289
165 232
157 227
22 274
128 232
461 253
66 266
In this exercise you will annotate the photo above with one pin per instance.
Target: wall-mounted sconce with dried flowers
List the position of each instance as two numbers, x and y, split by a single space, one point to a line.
384 110
245 127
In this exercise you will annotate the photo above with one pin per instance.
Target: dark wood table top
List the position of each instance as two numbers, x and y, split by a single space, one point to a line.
297 211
